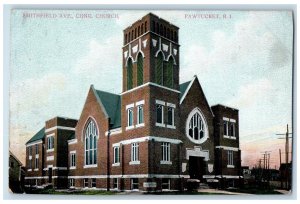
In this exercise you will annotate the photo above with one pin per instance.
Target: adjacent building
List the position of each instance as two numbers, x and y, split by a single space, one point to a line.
156 135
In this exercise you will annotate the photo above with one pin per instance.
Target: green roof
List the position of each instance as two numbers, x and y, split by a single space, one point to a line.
183 87
112 105
38 136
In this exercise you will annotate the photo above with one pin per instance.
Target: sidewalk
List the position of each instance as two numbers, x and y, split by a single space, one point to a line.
283 191
221 191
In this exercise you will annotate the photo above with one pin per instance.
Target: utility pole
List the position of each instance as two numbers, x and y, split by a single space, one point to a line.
281 184
286 153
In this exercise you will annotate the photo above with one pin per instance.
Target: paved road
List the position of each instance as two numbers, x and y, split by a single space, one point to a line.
221 191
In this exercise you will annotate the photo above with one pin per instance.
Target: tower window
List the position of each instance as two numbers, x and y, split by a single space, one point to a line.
140 114
165 151
139 31
153 26
159 69
91 135
140 70
171 116
159 113
129 74
146 26
130 117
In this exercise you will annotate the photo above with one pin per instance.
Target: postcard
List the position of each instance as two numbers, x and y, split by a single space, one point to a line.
167 102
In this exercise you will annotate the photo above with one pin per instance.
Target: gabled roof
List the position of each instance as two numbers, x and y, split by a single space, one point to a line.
38 136
112 105
185 87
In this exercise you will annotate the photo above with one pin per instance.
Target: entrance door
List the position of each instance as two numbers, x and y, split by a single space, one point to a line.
196 167
50 175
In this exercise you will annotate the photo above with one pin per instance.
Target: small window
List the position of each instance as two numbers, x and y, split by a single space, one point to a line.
12 165
116 155
171 116
86 183
135 152
165 148
159 113
130 117
30 151
232 128
230 157
225 127
36 163
165 184
36 149
134 184
73 160
71 182
140 114
30 164
50 142
115 183
93 183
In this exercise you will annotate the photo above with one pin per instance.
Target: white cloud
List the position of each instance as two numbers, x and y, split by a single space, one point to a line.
34 93
248 43
252 94
100 56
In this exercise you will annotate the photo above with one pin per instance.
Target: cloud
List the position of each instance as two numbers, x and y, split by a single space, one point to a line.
249 43
252 94
34 93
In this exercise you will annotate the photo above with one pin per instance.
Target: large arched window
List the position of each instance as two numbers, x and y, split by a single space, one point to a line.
91 135
129 74
140 69
159 68
196 127
168 73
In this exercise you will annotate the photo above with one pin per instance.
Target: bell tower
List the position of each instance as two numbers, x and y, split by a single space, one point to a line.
151 53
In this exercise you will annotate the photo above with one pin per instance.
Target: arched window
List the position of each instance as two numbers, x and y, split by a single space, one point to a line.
129 74
157 28
159 68
153 26
168 73
146 26
91 135
135 33
132 35
161 30
168 33
140 69
142 29
128 38
139 31
196 127
125 39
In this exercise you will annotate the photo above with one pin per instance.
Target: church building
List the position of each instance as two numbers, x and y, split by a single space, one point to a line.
156 135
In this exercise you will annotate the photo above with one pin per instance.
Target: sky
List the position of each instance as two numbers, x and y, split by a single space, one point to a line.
242 61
